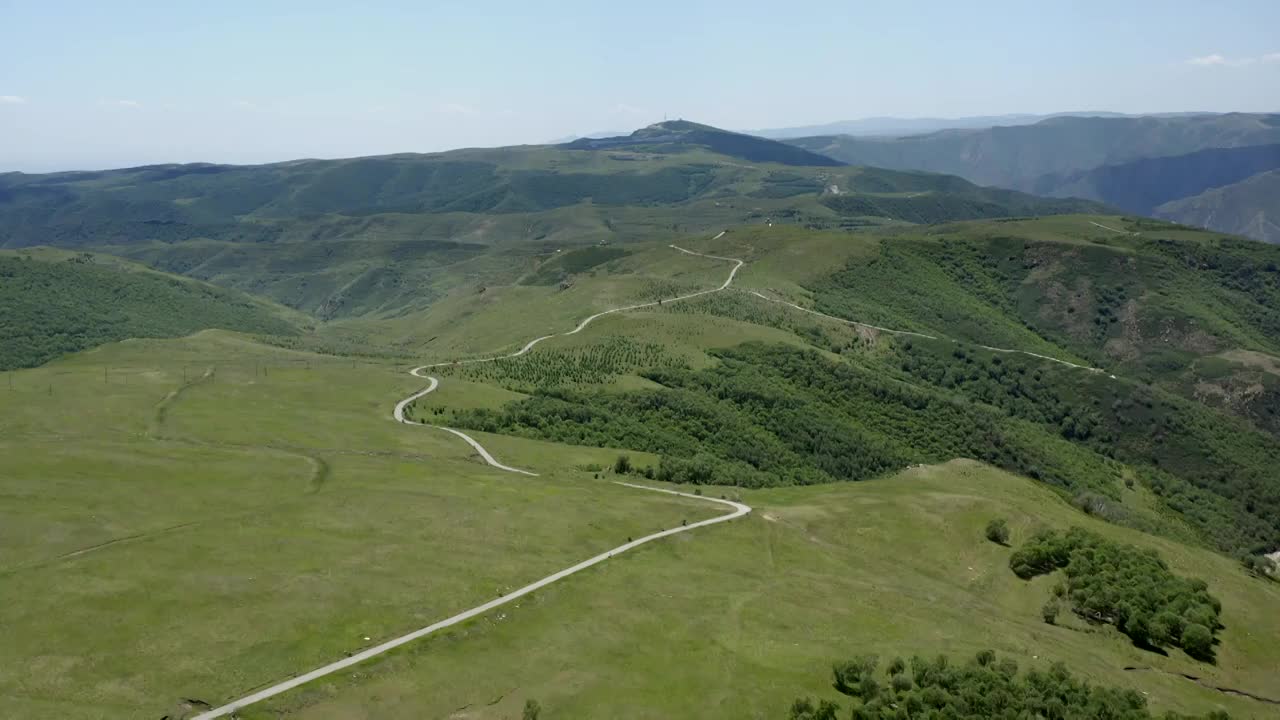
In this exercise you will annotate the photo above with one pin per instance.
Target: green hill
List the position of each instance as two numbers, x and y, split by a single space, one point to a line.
676 136
53 303
384 236
1181 318
1017 157
1250 207
275 519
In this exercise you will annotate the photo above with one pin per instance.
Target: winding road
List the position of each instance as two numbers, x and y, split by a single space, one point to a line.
738 509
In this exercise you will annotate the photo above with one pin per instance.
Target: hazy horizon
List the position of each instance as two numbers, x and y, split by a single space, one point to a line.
90 87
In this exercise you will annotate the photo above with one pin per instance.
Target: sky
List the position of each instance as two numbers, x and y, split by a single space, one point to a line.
90 85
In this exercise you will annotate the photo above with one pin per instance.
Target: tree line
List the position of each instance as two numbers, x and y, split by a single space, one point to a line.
984 687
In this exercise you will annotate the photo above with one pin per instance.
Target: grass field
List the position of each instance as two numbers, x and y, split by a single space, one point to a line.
199 518
738 622
198 540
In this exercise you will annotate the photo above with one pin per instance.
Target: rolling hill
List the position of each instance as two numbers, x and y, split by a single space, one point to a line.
388 235
55 302
275 519
678 135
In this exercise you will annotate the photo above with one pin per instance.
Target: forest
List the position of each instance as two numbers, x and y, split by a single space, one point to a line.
1215 470
771 415
58 307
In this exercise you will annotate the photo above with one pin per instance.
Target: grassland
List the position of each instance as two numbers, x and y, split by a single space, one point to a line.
737 623
204 516
196 538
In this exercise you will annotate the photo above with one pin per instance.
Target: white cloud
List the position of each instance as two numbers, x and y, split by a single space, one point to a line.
244 104
454 108
1208 60
625 109
12 100
126 103
1216 60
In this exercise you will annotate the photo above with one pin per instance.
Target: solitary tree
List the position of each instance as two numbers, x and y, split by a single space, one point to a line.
622 465
998 531
532 709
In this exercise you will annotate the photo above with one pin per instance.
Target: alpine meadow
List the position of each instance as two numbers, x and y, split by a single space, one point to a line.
892 417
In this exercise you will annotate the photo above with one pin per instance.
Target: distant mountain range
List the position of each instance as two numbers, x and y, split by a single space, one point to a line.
1139 186
1134 163
1250 207
286 230
890 126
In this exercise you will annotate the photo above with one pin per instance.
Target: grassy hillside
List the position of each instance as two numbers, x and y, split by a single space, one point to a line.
1250 207
743 621
193 517
224 514
1157 309
1015 157
53 302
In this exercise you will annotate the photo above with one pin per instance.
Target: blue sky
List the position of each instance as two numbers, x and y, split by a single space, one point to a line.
97 84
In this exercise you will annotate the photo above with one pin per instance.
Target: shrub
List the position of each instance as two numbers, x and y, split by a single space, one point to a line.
1050 612
622 465
998 531
804 709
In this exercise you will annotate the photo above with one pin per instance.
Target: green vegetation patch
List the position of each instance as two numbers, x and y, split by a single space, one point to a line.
1217 472
564 265
1127 587
782 184
771 415
62 303
985 687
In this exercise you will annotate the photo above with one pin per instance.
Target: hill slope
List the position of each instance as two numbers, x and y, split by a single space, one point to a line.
1142 185
1015 157
52 303
1250 207
382 236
